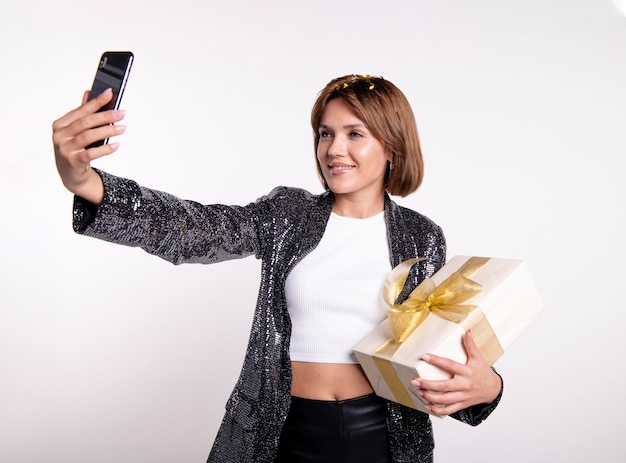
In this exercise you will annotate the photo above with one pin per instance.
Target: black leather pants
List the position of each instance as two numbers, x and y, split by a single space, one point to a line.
346 431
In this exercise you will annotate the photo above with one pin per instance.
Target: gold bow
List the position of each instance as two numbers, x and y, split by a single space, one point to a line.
444 300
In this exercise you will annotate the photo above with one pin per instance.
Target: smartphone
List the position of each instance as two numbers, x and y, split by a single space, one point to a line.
113 70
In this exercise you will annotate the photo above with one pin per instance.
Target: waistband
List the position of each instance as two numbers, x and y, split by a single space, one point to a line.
354 413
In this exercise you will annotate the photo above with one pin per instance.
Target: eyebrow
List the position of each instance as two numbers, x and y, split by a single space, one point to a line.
347 126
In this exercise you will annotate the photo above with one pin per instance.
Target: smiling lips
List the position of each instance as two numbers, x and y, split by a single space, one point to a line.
338 168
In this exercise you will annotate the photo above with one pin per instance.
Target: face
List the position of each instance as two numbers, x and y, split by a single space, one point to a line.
352 160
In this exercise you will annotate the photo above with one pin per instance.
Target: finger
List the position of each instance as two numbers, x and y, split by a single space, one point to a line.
470 346
85 130
457 371
71 141
100 100
474 355
85 123
82 158
439 386
448 365
440 409
89 107
441 403
101 151
85 97
442 398
446 402
88 137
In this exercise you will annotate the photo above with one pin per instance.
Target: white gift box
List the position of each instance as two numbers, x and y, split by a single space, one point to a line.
507 299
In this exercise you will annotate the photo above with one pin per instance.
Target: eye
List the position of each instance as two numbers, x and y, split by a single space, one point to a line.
324 134
355 134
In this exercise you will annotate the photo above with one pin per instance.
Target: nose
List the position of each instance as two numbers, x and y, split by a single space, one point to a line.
337 147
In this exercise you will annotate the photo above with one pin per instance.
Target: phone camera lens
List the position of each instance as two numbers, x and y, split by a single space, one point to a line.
103 62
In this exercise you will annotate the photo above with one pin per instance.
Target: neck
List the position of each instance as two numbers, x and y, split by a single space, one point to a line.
358 209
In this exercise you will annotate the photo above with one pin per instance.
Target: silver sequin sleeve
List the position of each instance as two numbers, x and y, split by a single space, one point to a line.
176 230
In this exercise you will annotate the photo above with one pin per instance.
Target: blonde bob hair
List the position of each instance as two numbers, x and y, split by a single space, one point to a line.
386 112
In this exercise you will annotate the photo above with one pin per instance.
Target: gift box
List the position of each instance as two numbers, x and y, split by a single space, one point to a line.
496 298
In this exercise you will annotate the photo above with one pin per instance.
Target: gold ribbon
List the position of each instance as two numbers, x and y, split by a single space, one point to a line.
445 301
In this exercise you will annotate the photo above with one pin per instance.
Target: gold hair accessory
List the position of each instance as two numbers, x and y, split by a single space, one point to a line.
354 78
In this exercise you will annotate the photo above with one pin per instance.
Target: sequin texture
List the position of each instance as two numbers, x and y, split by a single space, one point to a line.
280 229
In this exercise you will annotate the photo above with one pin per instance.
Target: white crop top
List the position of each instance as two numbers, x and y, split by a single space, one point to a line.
334 294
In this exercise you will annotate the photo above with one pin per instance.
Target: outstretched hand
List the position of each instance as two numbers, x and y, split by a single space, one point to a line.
470 384
75 131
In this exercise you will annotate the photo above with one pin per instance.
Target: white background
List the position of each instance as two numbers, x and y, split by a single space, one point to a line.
111 355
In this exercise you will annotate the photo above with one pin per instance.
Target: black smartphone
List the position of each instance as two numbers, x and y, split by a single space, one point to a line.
112 72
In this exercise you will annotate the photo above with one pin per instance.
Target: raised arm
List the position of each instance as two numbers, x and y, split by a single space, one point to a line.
78 129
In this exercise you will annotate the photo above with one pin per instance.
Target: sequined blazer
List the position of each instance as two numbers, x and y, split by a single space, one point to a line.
280 229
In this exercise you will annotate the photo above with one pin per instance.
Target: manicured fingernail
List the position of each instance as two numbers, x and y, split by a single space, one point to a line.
415 383
119 113
426 357
107 91
120 128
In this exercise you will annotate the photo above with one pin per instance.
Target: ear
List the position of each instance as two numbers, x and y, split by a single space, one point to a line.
390 155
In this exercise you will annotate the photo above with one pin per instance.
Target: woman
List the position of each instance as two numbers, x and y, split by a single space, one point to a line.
301 396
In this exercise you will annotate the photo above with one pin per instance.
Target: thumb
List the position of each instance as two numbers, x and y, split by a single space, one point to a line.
470 346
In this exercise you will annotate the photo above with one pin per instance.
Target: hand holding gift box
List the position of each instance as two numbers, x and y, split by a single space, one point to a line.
495 298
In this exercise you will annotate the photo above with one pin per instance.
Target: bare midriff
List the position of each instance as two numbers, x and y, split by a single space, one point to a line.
328 381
